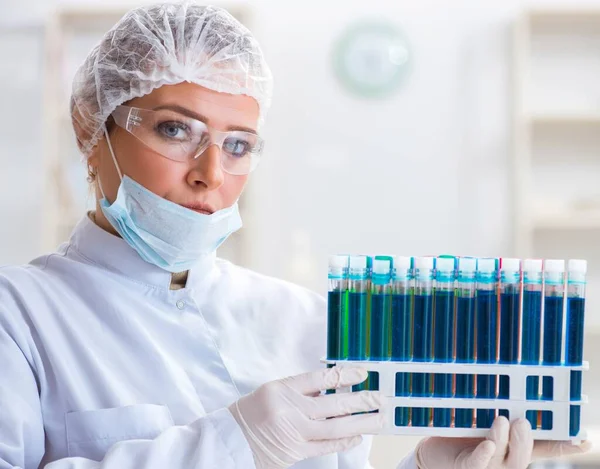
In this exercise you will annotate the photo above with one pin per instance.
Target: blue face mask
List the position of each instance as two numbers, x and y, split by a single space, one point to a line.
162 232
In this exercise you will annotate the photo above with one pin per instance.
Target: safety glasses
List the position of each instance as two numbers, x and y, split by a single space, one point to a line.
182 138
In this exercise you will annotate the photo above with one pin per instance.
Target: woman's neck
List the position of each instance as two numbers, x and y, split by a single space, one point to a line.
178 280
99 219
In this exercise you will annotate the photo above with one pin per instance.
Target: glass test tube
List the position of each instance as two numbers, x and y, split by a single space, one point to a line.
401 331
574 346
423 335
554 297
381 289
443 350
357 308
358 287
532 328
380 310
510 306
465 336
487 327
336 306
368 321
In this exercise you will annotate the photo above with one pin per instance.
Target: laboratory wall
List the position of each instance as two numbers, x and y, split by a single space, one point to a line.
425 170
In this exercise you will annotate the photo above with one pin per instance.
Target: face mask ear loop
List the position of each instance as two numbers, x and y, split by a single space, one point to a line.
100 186
112 153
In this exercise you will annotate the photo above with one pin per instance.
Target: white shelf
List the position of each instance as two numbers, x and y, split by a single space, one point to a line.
556 118
568 221
565 15
566 118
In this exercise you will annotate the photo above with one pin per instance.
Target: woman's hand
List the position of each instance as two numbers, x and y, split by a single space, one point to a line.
508 446
287 421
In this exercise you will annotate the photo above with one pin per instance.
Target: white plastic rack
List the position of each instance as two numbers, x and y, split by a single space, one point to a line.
517 404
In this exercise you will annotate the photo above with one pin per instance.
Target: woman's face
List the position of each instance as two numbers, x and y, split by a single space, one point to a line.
199 182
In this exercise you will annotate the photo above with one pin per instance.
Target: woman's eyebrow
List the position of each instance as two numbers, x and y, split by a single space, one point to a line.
199 117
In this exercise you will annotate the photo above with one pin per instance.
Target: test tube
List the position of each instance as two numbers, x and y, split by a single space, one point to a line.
423 334
532 328
487 328
380 310
381 298
510 306
336 299
402 319
358 287
554 297
574 347
443 350
465 336
368 321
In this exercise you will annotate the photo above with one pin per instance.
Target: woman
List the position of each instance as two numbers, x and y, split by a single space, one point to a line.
133 346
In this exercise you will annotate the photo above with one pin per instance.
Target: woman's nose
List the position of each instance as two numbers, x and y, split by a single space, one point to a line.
207 170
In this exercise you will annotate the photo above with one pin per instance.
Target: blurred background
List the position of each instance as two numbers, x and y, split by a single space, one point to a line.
397 127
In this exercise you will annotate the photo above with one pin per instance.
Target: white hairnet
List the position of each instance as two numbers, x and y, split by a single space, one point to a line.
166 44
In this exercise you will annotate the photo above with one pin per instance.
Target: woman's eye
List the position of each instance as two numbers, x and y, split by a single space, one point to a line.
236 147
174 130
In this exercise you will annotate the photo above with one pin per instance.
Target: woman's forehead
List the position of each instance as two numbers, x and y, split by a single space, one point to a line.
212 104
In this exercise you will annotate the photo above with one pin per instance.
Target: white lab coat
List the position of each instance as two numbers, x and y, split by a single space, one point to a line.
103 366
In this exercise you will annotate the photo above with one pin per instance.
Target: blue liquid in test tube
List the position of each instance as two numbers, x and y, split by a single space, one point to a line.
358 287
401 332
510 306
336 299
381 298
465 336
554 297
380 310
574 347
532 329
423 335
487 328
443 333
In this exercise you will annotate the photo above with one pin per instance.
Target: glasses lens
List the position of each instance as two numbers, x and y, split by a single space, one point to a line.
241 152
169 133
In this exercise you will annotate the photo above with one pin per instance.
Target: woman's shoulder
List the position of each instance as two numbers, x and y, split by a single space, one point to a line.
19 286
15 278
24 284
26 276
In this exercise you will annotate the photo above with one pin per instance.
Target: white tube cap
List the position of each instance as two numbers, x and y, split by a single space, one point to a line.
532 265
554 265
338 262
511 265
402 262
444 264
486 264
578 265
358 262
467 264
424 263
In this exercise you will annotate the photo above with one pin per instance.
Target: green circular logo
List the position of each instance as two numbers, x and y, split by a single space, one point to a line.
372 58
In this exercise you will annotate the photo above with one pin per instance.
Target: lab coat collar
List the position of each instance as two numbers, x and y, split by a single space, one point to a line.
114 254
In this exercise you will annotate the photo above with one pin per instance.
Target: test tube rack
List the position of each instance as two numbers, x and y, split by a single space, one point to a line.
517 405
